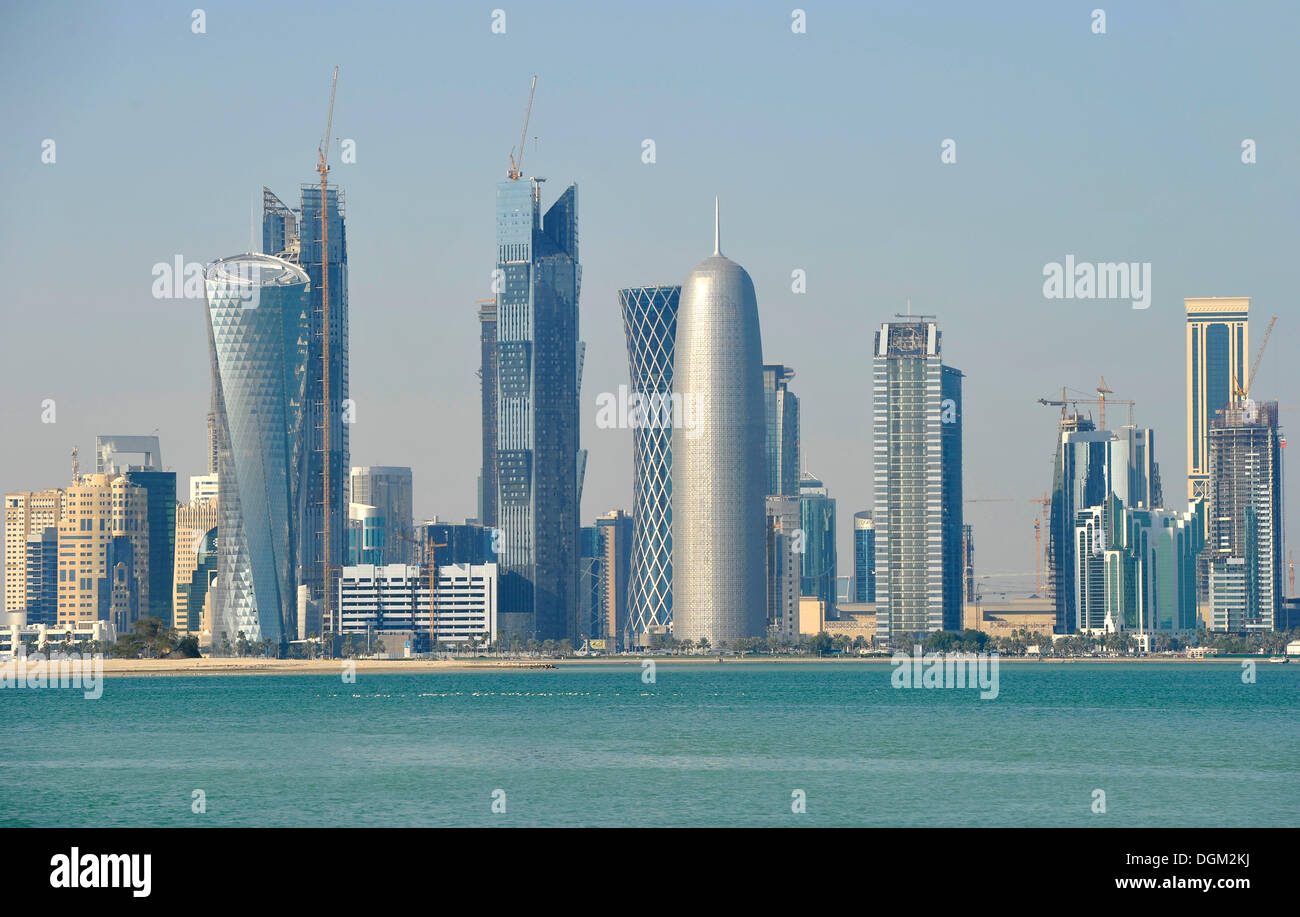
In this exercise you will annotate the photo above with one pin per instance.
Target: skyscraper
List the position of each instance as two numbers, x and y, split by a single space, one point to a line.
113 456
27 516
781 415
1246 522
820 563
719 476
614 531
1218 341
1090 466
487 374
917 422
259 367
784 565
104 552
539 463
650 326
864 557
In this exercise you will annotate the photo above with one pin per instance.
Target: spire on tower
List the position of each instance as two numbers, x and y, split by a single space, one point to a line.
717 235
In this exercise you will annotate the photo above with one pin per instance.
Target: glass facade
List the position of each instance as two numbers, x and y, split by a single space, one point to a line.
258 329
864 557
781 416
650 326
820 565
538 377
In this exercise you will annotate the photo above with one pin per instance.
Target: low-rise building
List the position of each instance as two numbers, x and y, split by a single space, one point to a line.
395 597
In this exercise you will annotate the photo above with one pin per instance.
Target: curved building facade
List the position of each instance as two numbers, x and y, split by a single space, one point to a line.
719 476
650 324
258 331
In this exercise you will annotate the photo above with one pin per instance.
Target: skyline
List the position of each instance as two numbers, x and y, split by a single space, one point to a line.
924 225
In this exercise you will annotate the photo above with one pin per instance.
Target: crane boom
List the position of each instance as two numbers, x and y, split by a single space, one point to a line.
515 164
1242 391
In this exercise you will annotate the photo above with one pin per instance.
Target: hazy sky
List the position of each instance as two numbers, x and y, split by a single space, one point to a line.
824 148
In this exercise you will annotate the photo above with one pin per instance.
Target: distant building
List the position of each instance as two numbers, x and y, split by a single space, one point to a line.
366 535
615 533
781 413
104 552
488 393
917 417
784 565
27 516
1218 347
864 558
204 487
1246 521
462 542
196 533
395 597
820 562
42 605
387 488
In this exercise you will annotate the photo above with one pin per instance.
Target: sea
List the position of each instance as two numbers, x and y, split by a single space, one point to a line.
772 745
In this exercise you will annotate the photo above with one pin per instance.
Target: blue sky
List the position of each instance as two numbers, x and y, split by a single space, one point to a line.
824 148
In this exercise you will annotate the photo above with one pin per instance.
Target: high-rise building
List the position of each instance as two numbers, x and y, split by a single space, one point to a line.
113 456
719 477
43 577
259 362
820 563
1246 521
487 374
784 565
539 463
917 406
614 530
1090 466
104 552
781 418
388 489
1218 342
27 516
462 543
196 531
204 487
311 528
864 557
366 534
650 326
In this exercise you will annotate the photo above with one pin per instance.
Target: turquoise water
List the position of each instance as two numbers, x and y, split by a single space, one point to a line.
705 745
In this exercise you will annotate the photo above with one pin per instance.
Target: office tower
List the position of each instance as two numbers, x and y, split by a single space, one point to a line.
820 563
968 563
864 557
42 606
539 464
614 531
27 516
395 598
196 532
488 392
104 552
781 415
463 543
1246 521
917 407
784 565
590 559
719 477
259 365
388 489
113 454
280 228
1218 341
1091 465
310 530
650 326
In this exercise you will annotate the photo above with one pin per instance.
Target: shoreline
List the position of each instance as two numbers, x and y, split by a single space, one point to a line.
256 666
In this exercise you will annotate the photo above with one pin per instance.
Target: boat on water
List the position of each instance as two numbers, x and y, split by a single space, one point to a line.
1281 660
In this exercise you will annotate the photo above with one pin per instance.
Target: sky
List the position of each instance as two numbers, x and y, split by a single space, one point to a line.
825 147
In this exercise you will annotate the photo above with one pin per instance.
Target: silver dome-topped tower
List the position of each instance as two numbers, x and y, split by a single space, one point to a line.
719 475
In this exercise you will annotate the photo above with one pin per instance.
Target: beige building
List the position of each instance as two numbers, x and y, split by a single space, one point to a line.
26 516
857 619
97 509
1001 619
812 616
1218 348
193 522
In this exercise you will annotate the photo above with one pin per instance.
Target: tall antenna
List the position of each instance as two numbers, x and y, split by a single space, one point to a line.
327 409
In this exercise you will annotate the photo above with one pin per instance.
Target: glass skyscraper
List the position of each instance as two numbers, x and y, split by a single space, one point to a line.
781 413
650 326
539 463
820 565
917 423
864 557
259 350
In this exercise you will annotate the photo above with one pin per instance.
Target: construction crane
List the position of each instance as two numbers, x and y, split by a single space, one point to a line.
1044 502
327 503
1239 391
431 553
514 174
1102 392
